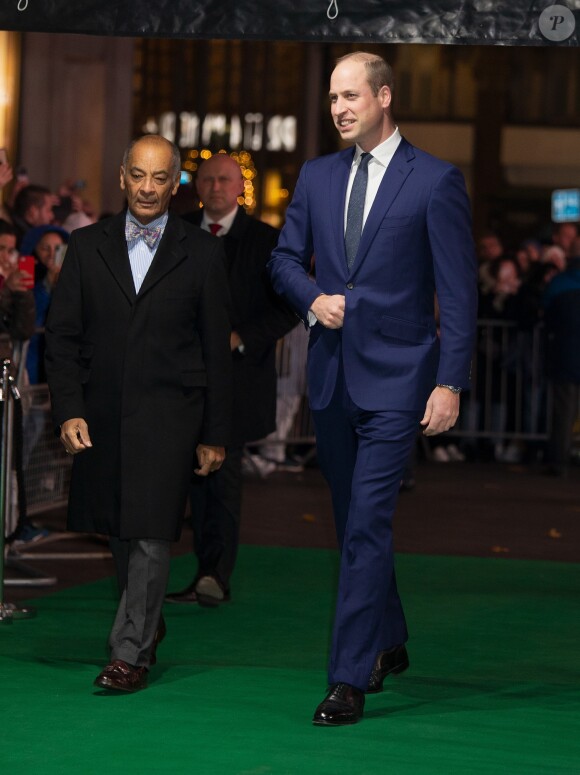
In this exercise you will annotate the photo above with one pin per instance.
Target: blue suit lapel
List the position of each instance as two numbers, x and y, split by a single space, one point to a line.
338 183
400 167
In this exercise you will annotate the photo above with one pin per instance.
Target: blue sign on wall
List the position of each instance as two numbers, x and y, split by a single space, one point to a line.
566 205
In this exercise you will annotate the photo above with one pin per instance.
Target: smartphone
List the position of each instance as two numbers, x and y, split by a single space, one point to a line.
59 255
26 266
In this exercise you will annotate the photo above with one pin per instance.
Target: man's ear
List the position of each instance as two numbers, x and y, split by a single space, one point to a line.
386 96
122 177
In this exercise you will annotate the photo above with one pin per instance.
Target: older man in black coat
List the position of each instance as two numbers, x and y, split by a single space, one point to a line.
259 319
139 370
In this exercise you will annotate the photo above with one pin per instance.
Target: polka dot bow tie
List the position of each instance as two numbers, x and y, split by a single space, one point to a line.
151 236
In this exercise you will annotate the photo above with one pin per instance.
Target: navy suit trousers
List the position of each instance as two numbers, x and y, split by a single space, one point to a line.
362 455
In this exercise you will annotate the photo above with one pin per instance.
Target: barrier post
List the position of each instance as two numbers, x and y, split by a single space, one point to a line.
8 392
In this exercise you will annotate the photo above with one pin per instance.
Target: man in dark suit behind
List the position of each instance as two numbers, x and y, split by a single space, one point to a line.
139 371
388 225
259 319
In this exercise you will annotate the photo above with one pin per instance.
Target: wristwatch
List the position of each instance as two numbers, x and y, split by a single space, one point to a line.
452 388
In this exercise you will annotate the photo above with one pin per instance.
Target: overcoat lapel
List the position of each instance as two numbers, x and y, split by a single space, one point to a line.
399 169
113 249
171 251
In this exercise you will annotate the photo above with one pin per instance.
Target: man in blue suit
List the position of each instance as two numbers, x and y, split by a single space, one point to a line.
389 226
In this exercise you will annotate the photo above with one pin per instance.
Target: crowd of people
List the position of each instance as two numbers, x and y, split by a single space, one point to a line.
521 363
35 225
521 357
157 391
522 285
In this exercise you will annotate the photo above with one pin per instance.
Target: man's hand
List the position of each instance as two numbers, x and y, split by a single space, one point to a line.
209 459
441 411
17 281
329 310
74 435
6 174
235 341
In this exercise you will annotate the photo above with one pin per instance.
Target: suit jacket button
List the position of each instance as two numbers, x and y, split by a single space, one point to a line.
350 286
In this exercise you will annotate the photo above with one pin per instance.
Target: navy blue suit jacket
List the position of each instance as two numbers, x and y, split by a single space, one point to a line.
417 239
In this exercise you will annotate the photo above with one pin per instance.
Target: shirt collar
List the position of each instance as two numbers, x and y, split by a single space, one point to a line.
225 222
384 152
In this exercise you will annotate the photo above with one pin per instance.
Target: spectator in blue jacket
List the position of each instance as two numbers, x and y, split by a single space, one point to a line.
562 317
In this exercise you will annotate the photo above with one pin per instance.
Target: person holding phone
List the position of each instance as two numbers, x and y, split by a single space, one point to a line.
44 244
16 300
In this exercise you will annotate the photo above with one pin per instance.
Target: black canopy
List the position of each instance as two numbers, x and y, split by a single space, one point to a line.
511 22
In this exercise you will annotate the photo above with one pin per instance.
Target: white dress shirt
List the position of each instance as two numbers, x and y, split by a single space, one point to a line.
225 222
140 254
381 158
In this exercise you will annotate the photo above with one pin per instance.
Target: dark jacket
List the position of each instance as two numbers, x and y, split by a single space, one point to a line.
562 318
150 373
260 317
16 318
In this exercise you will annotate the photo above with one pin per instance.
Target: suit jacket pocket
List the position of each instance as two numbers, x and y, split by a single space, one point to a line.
405 331
397 221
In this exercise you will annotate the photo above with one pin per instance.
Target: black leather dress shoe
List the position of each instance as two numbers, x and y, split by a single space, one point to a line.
118 676
187 595
160 634
342 705
393 661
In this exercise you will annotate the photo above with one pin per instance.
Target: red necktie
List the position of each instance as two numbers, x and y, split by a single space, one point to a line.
214 228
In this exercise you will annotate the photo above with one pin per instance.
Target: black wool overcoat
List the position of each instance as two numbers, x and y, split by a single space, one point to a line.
259 316
149 372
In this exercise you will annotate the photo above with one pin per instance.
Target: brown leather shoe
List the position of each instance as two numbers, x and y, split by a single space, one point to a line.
187 595
160 633
394 661
343 704
120 677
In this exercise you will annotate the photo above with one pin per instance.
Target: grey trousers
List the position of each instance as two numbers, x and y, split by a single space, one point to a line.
142 572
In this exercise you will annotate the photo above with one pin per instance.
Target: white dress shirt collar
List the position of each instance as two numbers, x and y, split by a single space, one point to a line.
384 152
225 222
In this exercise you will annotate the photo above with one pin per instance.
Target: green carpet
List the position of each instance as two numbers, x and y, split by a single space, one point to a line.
493 686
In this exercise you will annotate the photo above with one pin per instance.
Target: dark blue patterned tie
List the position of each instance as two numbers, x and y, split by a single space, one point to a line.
356 207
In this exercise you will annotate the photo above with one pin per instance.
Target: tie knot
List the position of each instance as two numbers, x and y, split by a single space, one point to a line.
214 228
150 234
364 159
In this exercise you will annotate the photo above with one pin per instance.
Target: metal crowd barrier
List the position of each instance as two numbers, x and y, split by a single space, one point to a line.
509 400
9 395
47 467
510 397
